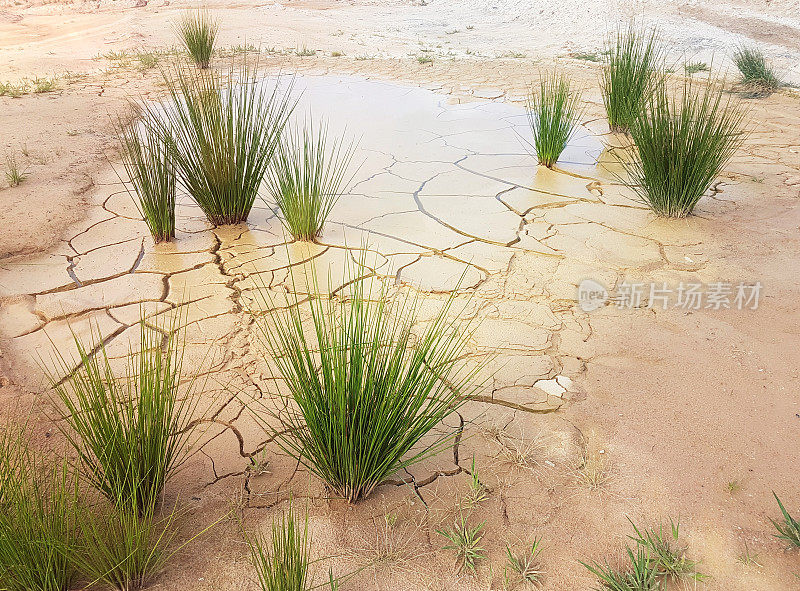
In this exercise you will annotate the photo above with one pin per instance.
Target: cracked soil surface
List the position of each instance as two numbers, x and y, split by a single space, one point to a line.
660 408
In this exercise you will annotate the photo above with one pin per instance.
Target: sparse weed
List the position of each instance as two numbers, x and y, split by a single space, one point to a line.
424 59
41 85
593 471
197 30
12 90
588 56
631 75
305 52
695 67
733 487
788 528
147 60
514 55
667 557
478 491
465 541
14 174
639 576
526 567
240 49
748 557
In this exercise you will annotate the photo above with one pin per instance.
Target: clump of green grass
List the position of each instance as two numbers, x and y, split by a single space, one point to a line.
682 144
695 67
465 541
757 76
37 518
197 31
366 387
424 58
307 178
526 567
224 135
667 557
553 114
788 527
639 576
149 162
14 174
131 432
282 561
124 548
631 75
305 52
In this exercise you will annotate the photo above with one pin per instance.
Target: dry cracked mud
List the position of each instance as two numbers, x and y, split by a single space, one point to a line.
585 417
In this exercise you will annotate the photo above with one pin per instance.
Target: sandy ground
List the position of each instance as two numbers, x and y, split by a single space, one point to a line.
671 406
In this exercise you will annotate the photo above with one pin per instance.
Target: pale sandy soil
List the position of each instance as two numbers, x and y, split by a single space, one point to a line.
674 404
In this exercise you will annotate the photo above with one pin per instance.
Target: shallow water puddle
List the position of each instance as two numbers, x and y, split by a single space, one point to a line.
442 193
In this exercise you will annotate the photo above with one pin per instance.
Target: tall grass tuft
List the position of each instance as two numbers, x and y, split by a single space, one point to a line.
631 74
683 142
149 162
282 561
131 432
37 519
366 388
553 114
197 31
225 135
307 178
123 548
757 76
